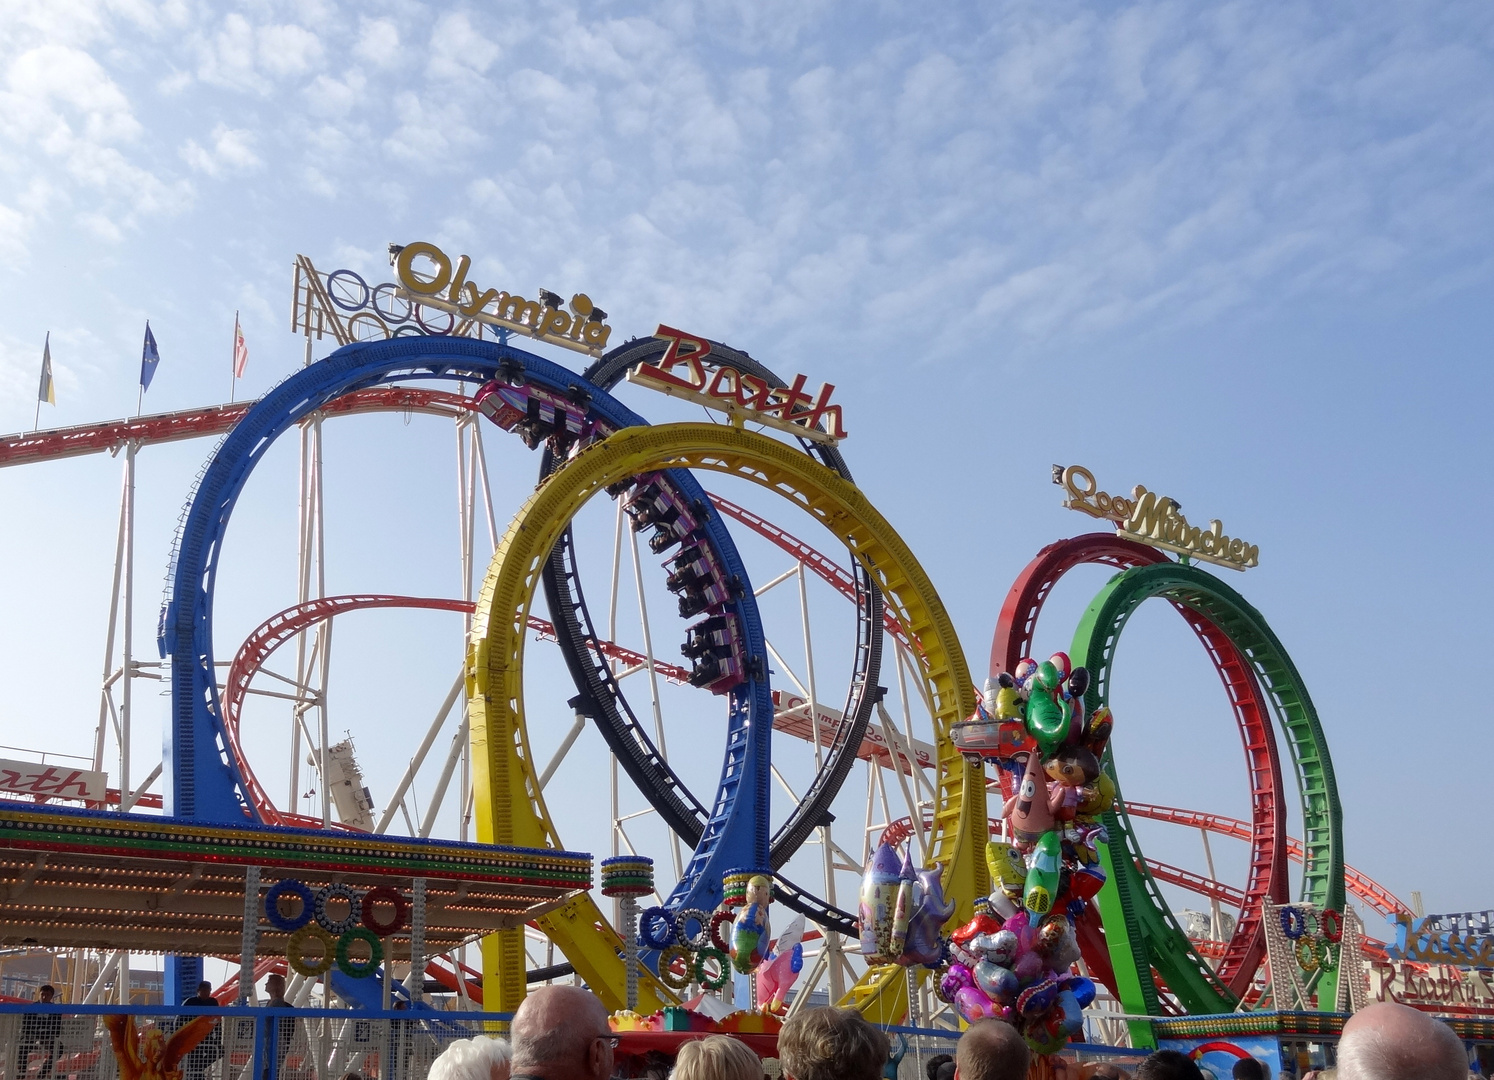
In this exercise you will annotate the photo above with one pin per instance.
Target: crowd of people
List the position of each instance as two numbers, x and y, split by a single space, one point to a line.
562 1033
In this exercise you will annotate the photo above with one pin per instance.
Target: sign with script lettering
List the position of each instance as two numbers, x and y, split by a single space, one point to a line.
686 371
428 276
1457 940
1154 520
54 781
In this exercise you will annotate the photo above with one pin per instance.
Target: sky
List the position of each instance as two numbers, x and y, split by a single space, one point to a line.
1238 253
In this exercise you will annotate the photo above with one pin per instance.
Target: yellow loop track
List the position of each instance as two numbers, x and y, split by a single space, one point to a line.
507 802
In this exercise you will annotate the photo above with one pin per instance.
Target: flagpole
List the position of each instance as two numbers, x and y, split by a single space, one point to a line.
233 358
46 349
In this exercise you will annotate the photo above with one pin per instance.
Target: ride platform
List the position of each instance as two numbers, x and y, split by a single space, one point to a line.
94 879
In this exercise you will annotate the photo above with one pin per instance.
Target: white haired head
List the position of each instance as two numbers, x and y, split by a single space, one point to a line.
477 1058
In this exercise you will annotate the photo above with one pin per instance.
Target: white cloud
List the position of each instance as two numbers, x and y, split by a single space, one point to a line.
458 50
378 42
288 50
230 150
48 83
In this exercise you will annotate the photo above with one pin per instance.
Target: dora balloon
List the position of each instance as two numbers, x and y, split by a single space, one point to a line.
1027 810
1073 766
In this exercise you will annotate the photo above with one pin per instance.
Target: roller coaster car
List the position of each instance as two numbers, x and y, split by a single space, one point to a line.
531 412
649 503
983 739
713 645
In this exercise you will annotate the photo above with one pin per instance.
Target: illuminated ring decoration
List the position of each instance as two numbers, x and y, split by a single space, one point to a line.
719 918
410 332
1310 953
369 910
289 887
386 291
503 810
295 951
702 936
667 957
1332 925
359 969
723 968
420 311
1310 925
655 928
1269 861
1293 925
676 804
337 890
355 281
1123 900
210 781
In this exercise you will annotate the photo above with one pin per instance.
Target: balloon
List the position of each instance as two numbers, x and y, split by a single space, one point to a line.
1082 989
1073 766
778 973
998 983
879 889
973 1006
1028 967
1042 874
1028 808
1048 715
1097 730
955 978
1008 873
1024 671
999 948
1078 683
1038 998
1061 664
751 925
1086 882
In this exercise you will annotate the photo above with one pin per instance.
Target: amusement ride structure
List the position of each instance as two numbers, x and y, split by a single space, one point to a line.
411 348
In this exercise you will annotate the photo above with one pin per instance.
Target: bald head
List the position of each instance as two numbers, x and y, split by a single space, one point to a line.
1389 1041
991 1050
559 1033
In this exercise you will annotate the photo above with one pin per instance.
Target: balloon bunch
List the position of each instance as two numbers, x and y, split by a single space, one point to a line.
901 911
1012 960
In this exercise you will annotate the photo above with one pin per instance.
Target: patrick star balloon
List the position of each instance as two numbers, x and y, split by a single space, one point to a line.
777 974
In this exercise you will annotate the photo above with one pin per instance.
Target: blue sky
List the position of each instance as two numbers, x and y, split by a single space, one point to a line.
1239 253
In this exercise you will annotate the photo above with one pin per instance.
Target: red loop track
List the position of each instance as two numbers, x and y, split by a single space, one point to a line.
1267 879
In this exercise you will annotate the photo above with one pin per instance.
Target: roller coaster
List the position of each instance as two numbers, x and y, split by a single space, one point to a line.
592 444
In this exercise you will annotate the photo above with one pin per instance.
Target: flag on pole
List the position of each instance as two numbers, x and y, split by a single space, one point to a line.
240 350
149 358
47 391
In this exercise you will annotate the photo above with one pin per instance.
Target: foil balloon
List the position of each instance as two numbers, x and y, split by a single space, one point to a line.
927 912
1027 810
879 888
780 970
750 927
1043 870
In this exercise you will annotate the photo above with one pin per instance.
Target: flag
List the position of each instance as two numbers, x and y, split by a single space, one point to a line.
149 358
47 391
240 350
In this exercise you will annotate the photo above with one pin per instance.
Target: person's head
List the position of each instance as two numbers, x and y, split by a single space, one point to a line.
1168 1065
716 1057
931 1066
991 1050
946 1071
1103 1070
275 984
1388 1041
45 993
561 1033
477 1058
831 1044
204 989
1251 1069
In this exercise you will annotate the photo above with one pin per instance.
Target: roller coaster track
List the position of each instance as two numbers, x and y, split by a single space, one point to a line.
507 809
284 625
1360 884
53 443
1267 877
675 803
1141 930
205 781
